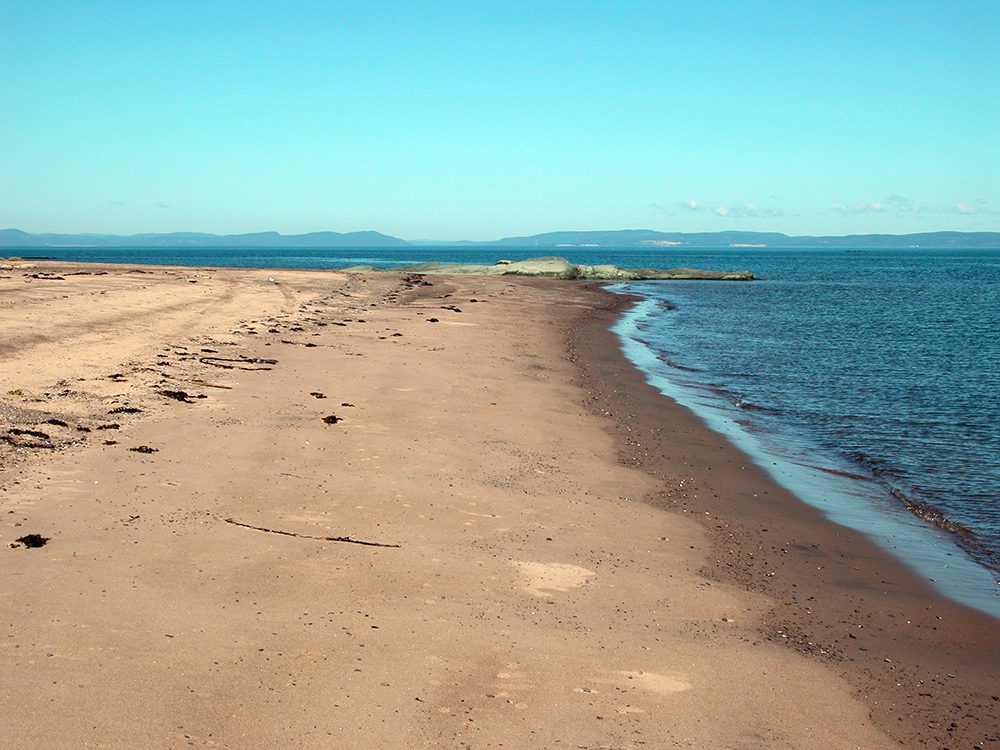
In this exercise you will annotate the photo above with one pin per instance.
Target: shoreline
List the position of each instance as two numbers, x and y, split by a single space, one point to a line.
922 537
533 601
838 596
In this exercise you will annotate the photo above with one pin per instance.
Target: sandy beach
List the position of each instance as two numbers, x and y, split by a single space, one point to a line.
313 509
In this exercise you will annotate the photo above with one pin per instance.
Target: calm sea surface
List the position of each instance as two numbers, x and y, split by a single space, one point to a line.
866 381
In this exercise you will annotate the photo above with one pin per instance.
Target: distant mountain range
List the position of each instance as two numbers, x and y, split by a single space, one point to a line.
618 238
17 238
634 237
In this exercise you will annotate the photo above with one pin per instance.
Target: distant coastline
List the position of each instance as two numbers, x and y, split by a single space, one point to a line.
16 238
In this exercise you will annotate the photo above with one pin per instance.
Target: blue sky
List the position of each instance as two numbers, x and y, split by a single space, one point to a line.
456 120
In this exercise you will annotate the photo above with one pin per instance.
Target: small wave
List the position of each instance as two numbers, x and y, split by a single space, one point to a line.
666 305
845 474
933 516
877 466
676 365
741 403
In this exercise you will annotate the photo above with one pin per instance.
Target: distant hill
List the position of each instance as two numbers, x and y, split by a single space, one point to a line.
634 237
17 238
617 238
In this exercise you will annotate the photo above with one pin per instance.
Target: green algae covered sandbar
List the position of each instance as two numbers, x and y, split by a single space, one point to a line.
560 268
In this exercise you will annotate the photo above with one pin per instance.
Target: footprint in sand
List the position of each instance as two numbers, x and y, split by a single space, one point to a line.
664 684
545 578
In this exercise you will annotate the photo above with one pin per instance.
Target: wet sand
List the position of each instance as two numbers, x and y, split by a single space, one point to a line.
927 667
372 511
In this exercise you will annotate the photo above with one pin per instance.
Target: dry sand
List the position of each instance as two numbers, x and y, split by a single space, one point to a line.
540 596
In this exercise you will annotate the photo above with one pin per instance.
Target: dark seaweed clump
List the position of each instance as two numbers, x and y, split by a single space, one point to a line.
31 541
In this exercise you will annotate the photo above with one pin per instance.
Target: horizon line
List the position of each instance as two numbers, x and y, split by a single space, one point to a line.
506 236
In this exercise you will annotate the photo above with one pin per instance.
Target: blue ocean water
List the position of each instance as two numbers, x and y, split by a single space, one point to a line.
866 381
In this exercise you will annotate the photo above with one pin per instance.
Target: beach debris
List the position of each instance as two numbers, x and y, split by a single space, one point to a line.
183 396
344 539
317 394
346 404
14 434
238 363
206 384
332 419
451 307
432 320
415 279
57 422
125 410
109 426
30 541
144 449
32 433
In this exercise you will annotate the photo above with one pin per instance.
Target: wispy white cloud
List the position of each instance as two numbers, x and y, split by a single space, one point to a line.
859 208
730 210
746 210
897 204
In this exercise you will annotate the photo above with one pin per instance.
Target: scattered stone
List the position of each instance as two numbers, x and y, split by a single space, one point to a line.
332 419
144 449
125 410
